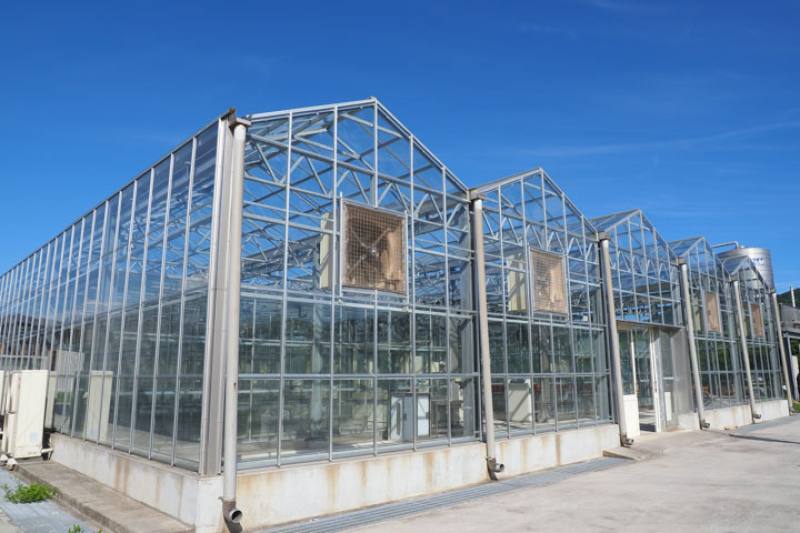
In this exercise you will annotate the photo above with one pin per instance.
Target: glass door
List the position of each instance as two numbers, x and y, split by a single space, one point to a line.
645 378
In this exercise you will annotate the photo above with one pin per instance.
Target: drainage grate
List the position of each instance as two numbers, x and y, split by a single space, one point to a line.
764 425
380 513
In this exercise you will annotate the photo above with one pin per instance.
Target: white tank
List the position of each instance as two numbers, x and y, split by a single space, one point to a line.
760 256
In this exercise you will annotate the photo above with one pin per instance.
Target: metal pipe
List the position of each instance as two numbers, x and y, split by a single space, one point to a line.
613 337
231 514
483 332
729 243
745 351
687 310
776 317
791 295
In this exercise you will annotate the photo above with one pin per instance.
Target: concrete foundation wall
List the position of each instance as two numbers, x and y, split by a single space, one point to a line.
278 495
186 496
739 415
531 453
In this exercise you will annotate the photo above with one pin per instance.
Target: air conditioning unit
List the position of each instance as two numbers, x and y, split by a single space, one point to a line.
24 394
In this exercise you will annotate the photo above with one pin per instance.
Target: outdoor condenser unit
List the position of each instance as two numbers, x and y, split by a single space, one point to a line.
23 400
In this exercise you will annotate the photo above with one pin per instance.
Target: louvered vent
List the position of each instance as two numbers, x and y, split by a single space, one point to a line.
373 249
758 320
549 282
712 312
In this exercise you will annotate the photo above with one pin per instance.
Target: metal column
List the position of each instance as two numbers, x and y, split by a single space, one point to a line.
613 338
687 311
776 317
483 330
745 352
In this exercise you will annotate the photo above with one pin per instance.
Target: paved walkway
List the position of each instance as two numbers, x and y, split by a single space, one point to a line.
748 481
42 517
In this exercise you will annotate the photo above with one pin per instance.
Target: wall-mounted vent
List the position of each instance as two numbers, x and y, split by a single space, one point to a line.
549 282
758 321
373 249
713 322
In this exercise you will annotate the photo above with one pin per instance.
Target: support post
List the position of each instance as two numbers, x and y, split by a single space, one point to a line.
776 317
231 514
791 295
613 338
483 333
745 351
687 311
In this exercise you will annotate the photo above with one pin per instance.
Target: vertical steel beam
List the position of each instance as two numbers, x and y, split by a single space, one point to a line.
613 337
231 319
745 351
213 363
483 330
687 311
776 318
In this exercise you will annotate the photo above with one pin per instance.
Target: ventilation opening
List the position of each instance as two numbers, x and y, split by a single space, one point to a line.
549 282
713 322
373 249
758 321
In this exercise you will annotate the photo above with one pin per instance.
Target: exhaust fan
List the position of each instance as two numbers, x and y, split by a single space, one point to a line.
373 250
549 282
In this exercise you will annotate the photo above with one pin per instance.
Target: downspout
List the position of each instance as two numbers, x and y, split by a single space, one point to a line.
687 310
776 317
231 513
613 338
483 333
745 350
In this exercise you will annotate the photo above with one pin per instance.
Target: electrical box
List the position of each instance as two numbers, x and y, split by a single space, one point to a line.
24 396
402 417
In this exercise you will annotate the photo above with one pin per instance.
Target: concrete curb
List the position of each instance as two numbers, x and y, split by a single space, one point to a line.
109 524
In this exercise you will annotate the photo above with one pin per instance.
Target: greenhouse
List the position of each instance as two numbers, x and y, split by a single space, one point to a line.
306 312
758 327
722 372
546 322
648 323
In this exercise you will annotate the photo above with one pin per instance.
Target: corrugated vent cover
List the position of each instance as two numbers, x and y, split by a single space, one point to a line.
373 249
758 321
712 312
549 282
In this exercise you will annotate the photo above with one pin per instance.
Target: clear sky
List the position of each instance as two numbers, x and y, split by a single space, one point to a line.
688 110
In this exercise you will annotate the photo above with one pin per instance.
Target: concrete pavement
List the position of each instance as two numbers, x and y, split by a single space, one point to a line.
748 481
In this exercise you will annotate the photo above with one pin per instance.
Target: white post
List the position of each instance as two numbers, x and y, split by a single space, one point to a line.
613 334
687 310
483 330
791 295
231 514
745 351
776 317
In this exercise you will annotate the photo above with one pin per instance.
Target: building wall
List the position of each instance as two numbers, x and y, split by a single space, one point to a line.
327 370
115 307
549 361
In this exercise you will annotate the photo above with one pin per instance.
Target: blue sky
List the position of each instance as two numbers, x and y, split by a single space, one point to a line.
688 110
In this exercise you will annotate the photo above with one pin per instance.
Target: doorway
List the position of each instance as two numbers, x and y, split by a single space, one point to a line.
647 378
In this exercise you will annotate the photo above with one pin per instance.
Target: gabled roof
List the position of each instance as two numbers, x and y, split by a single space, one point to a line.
383 115
609 222
550 184
682 247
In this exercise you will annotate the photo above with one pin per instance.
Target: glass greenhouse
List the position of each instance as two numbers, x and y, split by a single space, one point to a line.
546 323
759 328
340 255
722 373
646 289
